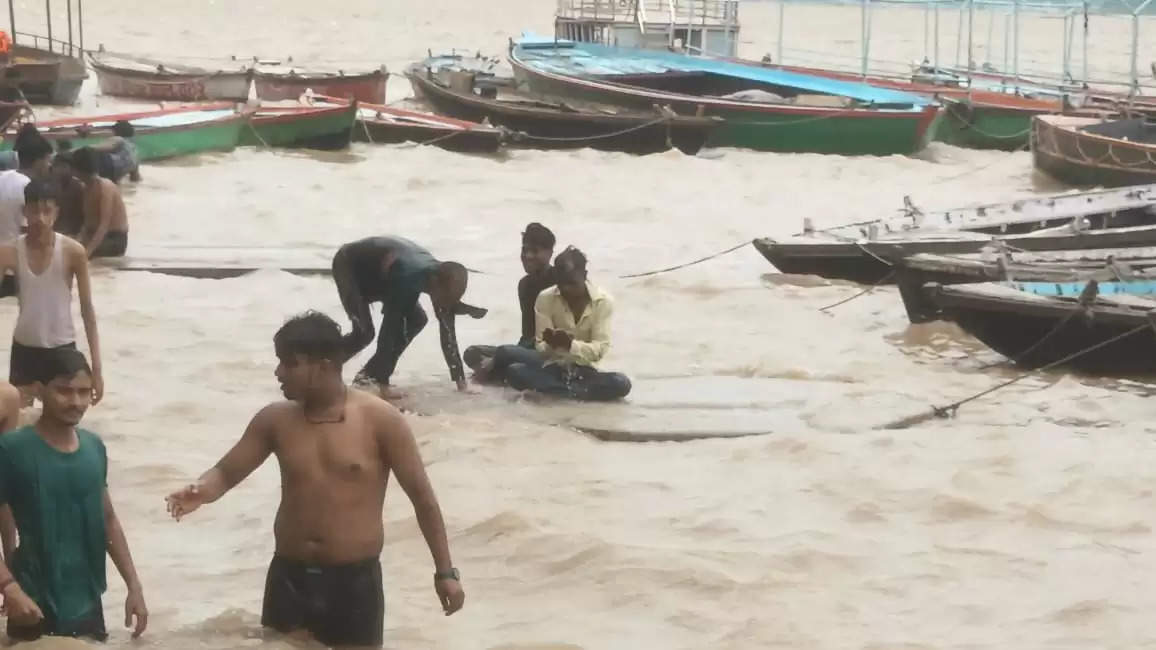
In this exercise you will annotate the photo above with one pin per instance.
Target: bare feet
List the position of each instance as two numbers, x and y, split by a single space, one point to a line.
391 393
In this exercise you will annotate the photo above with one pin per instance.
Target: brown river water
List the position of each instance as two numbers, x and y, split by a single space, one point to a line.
1025 522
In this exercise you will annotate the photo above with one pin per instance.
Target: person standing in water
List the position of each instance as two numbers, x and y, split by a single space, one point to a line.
573 334
395 271
488 362
54 476
46 264
105 232
35 155
336 448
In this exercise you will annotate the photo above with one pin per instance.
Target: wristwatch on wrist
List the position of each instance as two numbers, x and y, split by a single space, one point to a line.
450 574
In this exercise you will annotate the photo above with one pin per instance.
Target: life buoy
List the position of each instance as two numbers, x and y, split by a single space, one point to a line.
5 42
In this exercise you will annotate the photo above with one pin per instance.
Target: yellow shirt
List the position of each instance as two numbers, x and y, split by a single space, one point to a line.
591 331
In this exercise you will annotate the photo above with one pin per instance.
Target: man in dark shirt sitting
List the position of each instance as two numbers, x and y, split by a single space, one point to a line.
489 362
395 271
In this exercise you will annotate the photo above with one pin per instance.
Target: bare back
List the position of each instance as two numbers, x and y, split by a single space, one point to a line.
333 479
102 195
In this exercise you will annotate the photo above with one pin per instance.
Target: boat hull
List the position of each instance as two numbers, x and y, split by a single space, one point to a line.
325 129
366 88
874 262
983 126
118 82
152 142
461 141
762 127
1030 333
549 128
1064 152
44 77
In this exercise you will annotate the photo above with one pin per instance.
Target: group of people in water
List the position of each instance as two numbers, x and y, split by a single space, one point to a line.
336 444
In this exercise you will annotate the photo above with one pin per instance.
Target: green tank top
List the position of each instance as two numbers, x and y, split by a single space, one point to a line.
57 499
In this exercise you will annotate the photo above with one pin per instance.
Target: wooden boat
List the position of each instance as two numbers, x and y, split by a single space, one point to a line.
972 117
763 108
367 87
467 88
379 124
1087 151
866 252
998 263
43 76
311 127
1034 324
131 76
159 134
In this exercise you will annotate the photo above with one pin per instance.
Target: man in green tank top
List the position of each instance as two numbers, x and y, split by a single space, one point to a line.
53 476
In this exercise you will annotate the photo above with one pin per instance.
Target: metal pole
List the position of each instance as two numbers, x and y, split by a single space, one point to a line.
990 31
863 29
12 19
936 62
1016 41
782 17
70 52
959 35
1006 36
1085 75
926 27
80 22
48 13
1065 49
970 33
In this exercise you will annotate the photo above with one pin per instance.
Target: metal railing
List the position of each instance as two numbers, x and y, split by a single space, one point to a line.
679 12
50 44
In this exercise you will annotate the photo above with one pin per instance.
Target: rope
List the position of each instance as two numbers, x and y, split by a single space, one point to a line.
252 128
950 409
1087 296
688 264
436 140
365 127
541 138
864 292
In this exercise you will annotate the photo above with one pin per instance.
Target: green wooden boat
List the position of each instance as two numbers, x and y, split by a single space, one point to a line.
995 122
311 127
764 109
159 134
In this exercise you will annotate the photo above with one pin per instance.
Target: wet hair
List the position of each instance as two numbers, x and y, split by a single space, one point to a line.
538 236
63 146
123 129
40 190
311 334
84 160
453 277
63 363
570 264
31 146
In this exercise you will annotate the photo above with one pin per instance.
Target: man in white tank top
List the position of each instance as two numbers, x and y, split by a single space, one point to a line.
45 264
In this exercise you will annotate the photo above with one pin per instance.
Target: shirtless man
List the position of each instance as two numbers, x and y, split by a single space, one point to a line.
336 448
105 232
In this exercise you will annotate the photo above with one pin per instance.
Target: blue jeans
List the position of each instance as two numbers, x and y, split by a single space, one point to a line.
581 383
502 356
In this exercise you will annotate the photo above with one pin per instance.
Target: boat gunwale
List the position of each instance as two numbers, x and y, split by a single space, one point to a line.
288 113
551 113
913 112
176 76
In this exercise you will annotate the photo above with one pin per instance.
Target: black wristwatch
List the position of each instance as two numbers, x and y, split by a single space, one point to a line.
451 574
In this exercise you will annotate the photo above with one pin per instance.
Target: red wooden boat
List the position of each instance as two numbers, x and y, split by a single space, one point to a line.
366 87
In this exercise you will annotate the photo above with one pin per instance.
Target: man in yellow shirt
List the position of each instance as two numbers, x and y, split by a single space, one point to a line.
572 333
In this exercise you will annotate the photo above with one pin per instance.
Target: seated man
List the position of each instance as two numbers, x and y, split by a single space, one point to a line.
488 362
573 333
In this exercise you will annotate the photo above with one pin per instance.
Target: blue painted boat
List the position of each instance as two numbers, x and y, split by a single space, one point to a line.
765 109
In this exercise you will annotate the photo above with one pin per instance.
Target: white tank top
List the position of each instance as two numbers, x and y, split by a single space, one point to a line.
45 319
